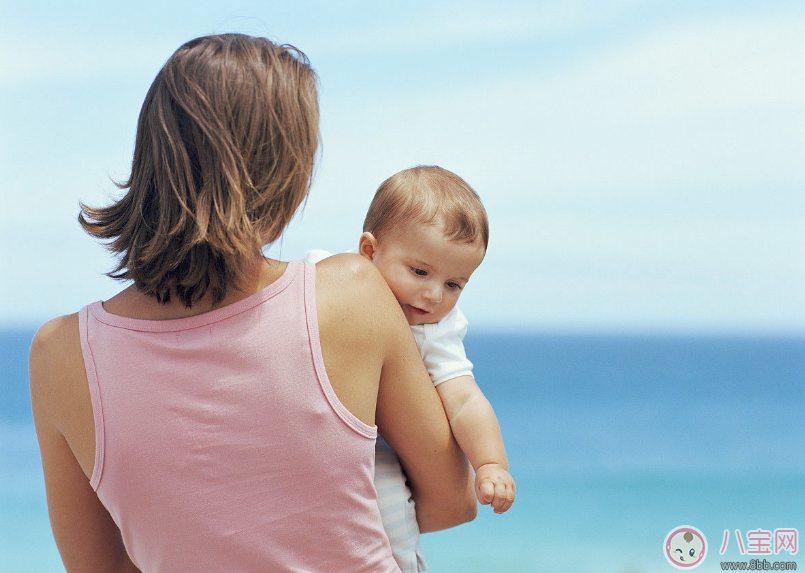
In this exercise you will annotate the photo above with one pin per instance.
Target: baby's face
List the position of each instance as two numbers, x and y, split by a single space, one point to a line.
425 270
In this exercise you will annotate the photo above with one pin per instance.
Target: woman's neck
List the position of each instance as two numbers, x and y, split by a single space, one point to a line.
132 303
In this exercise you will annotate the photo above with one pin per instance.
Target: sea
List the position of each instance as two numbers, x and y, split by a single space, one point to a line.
615 443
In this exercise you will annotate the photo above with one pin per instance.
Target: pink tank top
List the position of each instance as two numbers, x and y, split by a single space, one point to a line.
222 447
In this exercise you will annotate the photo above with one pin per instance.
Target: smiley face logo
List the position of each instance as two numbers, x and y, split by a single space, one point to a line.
685 547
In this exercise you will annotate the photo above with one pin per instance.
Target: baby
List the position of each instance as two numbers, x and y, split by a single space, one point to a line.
426 231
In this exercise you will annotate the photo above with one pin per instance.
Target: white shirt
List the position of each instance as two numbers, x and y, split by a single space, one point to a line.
442 348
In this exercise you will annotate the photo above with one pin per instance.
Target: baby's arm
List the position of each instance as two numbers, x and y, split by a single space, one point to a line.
476 430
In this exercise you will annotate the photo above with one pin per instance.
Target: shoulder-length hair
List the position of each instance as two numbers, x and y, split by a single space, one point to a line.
223 157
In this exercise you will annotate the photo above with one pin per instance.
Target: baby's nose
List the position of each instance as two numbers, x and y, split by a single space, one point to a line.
433 294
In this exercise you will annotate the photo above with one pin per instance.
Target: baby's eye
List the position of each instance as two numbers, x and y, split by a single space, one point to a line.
454 286
419 272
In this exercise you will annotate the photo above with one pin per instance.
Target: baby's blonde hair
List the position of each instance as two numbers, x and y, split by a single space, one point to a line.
430 195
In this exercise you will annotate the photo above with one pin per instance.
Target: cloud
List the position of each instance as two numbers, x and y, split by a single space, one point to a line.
650 179
52 60
716 102
111 43
655 183
430 26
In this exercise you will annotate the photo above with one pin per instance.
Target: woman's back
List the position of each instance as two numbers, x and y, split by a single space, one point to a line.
227 422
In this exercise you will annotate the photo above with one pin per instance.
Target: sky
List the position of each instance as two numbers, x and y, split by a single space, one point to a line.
642 162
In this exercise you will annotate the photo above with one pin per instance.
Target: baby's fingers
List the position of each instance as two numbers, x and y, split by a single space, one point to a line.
486 492
504 497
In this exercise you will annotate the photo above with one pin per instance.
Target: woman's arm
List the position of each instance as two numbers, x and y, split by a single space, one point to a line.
411 418
87 538
365 338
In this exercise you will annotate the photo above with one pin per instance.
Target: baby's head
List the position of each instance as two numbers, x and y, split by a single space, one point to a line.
426 231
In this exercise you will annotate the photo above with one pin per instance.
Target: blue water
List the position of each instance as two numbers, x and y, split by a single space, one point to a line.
613 441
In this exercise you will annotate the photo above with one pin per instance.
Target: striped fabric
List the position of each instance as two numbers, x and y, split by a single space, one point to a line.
397 509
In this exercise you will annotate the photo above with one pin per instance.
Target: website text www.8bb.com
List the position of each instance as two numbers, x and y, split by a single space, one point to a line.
758 565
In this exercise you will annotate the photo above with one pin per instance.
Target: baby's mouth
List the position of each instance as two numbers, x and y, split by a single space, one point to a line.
418 311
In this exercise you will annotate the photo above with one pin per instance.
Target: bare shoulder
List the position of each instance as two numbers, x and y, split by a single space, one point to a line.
350 286
55 360
356 315
56 340
349 269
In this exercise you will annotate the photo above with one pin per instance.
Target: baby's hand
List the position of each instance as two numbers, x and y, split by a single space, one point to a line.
494 485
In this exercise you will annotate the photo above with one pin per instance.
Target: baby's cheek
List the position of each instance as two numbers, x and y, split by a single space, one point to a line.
447 305
398 289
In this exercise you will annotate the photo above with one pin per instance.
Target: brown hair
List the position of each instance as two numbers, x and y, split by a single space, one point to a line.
223 157
431 195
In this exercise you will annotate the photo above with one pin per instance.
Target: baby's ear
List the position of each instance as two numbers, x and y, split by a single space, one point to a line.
367 246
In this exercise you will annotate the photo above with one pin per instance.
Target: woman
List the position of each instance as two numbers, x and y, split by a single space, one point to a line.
219 414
